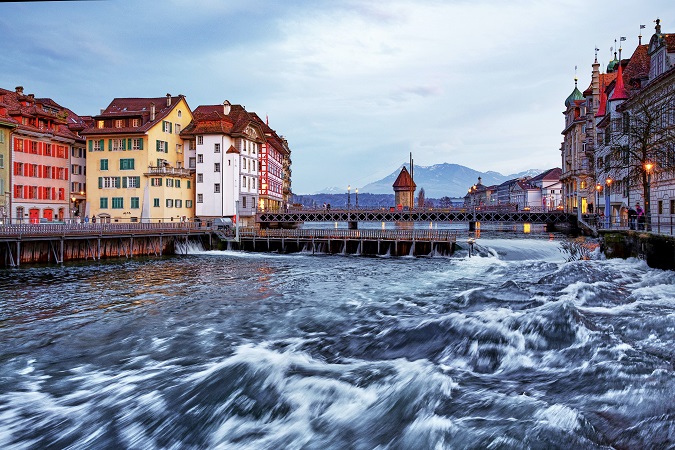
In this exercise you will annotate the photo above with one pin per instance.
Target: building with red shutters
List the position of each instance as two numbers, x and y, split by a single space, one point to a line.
273 154
43 136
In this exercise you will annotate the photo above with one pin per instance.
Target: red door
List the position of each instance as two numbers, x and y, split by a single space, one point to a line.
34 215
48 214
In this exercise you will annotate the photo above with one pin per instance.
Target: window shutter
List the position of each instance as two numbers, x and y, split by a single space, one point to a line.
170 127
39 192
109 145
166 147
26 191
160 181
129 146
91 146
124 182
138 181
131 164
53 173
100 182
66 173
124 144
100 144
158 141
54 193
118 182
140 143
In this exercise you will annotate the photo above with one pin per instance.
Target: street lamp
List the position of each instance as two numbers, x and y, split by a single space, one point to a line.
598 188
357 198
648 207
349 194
608 213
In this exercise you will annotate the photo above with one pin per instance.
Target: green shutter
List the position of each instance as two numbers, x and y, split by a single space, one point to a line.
91 146
124 182
138 182
109 145
129 144
140 143
160 181
158 141
166 147
118 182
170 127
124 144
131 164
100 144
100 182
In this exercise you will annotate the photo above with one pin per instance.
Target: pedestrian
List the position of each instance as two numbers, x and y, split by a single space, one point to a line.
632 218
328 207
640 217
93 218
86 219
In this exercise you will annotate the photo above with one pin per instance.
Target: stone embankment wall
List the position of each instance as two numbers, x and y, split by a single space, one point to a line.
657 250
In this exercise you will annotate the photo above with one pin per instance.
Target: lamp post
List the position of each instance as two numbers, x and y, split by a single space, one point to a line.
648 207
349 196
608 214
357 198
598 188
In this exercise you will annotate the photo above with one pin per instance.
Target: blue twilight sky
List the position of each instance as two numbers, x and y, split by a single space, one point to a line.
353 85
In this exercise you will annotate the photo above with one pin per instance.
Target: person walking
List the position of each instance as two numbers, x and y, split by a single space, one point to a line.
640 216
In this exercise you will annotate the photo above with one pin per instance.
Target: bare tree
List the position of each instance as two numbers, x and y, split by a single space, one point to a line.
420 198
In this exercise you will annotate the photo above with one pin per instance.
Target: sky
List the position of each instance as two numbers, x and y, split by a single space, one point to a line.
354 85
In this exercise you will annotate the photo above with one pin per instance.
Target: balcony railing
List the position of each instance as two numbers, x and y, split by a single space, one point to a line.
169 171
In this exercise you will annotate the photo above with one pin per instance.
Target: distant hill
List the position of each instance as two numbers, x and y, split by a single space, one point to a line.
440 180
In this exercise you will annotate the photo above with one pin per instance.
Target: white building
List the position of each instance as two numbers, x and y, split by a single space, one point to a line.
226 142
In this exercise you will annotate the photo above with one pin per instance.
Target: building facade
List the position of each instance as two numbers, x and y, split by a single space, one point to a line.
38 157
227 141
136 167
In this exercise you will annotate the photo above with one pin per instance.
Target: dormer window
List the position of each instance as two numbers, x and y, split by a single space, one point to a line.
100 124
119 123
135 122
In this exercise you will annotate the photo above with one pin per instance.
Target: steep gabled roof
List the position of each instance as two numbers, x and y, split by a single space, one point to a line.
211 119
404 181
549 175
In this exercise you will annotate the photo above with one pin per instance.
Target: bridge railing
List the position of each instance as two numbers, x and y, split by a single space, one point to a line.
59 229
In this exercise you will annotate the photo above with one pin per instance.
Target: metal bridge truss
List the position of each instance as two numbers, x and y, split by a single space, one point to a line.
415 216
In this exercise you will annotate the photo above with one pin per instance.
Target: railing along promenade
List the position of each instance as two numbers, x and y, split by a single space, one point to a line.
388 235
658 223
75 230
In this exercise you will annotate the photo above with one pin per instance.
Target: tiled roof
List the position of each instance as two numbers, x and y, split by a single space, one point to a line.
619 91
549 175
211 119
15 105
404 181
637 67
134 108
670 42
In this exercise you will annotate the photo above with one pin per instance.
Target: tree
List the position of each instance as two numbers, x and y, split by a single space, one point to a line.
445 202
642 143
420 198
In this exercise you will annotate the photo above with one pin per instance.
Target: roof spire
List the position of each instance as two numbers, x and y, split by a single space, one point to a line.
602 109
619 92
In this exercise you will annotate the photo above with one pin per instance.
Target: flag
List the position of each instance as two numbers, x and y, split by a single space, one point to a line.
623 38
642 26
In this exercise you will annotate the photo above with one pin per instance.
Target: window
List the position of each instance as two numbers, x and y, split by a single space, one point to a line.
179 148
200 198
169 182
200 158
216 188
100 124
243 202
117 145
216 167
108 182
97 146
216 148
135 122
243 181
192 162
103 203
48 150
180 113
169 203
34 147
176 182
672 207
119 123
188 203
131 182
200 178
166 126
659 207
162 147
155 181
200 140
189 184
155 202
2 161
127 164
2 136
177 128
243 163
137 144
178 203
117 202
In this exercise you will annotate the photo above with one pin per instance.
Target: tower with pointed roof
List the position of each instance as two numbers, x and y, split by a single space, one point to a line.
404 189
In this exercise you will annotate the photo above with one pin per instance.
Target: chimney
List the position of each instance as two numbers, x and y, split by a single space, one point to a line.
19 90
168 99
226 107
152 112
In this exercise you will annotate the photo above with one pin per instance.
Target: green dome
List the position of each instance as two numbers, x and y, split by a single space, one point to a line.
575 95
611 67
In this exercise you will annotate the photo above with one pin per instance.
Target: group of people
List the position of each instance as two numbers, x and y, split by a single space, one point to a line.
636 215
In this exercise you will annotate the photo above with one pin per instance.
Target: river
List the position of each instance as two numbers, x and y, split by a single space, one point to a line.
512 348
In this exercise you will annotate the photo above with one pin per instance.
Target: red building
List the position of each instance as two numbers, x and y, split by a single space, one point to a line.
41 142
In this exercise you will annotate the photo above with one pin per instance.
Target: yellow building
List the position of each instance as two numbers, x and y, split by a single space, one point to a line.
136 167
6 127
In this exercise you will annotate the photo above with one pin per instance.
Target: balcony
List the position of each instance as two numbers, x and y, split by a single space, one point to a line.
154 171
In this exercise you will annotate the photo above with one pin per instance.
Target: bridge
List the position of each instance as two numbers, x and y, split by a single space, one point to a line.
471 216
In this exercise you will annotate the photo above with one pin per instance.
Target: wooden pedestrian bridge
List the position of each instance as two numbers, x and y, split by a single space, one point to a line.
470 216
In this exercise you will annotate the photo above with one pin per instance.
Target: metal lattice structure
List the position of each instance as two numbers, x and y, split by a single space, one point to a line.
441 216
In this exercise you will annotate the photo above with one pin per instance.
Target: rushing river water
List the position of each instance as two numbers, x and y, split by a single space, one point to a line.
514 348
